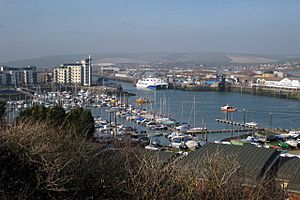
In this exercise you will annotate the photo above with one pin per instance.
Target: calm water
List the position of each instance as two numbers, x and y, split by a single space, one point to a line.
179 104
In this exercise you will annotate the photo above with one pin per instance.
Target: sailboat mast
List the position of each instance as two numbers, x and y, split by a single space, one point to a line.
181 112
194 104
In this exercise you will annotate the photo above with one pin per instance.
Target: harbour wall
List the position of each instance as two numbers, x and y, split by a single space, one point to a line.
271 92
262 91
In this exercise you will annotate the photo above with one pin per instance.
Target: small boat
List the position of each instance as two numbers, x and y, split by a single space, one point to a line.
196 129
292 143
183 127
251 124
192 145
151 147
228 108
140 100
179 141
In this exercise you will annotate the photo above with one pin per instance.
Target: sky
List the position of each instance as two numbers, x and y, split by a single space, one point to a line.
36 28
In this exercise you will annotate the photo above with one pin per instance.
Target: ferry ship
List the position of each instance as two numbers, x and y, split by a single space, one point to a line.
228 108
152 83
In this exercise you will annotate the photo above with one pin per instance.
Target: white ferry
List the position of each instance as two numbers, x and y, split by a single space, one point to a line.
152 83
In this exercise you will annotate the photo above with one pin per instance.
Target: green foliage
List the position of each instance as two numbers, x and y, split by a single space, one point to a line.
79 119
82 121
41 161
56 114
2 109
35 113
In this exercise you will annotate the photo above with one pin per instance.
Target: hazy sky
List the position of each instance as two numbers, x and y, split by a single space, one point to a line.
34 28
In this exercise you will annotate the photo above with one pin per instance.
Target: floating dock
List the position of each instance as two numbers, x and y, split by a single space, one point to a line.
236 123
224 131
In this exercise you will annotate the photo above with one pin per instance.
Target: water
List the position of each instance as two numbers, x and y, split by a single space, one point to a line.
179 105
285 113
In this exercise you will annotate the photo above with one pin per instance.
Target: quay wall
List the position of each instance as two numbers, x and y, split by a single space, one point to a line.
271 92
262 91
193 87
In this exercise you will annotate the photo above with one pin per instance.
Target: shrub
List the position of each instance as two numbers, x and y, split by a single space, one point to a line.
41 161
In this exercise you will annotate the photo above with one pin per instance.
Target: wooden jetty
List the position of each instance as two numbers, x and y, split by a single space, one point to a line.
246 128
235 123
224 131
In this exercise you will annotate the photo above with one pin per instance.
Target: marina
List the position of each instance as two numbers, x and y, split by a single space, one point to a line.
179 104
155 120
150 100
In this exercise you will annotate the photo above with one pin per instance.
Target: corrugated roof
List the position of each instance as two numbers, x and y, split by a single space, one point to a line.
288 167
163 156
289 170
251 159
294 184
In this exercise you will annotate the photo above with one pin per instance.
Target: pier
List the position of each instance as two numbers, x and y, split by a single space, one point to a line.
224 131
235 123
247 128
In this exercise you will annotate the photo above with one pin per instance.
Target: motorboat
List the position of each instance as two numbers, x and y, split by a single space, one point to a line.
292 143
228 108
251 124
183 127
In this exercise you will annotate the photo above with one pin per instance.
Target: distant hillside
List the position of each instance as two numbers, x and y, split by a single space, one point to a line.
201 58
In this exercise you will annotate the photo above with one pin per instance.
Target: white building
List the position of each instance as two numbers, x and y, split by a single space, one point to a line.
87 71
77 73
285 83
278 74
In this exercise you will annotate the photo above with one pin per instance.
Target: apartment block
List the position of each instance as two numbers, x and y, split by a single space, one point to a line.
75 73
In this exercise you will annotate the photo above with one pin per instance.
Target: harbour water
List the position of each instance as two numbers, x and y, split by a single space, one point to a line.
179 105
185 106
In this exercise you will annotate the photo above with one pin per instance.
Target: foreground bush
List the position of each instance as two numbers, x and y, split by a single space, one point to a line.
2 111
79 120
39 161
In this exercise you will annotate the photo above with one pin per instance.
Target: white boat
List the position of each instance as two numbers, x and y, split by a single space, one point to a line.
228 108
196 129
294 133
183 127
179 141
292 142
152 83
150 147
192 145
251 124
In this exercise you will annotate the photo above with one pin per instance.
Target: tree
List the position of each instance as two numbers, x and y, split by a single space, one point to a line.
82 121
56 115
79 119
36 113
2 110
